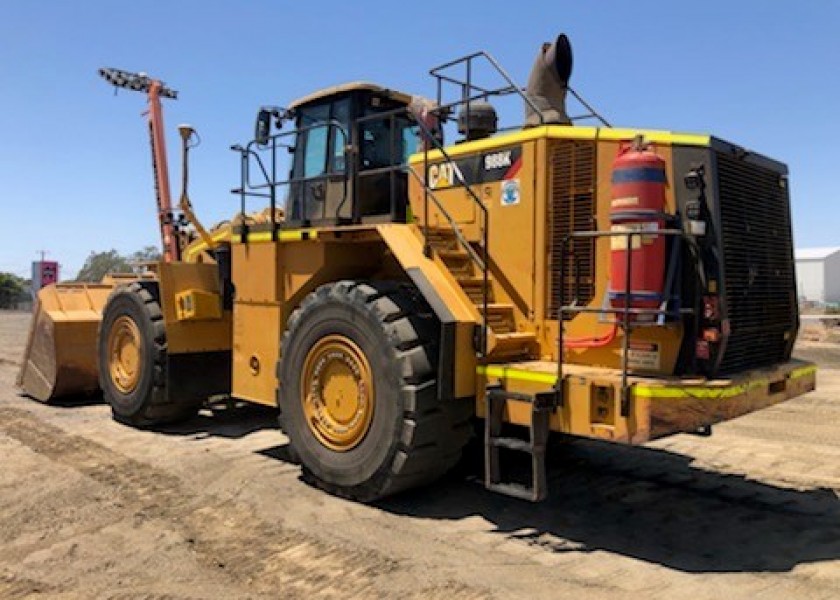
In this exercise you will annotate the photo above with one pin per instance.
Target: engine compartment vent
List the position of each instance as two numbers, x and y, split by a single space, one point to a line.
571 208
760 284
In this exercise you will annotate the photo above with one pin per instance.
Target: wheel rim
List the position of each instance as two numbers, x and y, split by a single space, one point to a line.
124 346
337 393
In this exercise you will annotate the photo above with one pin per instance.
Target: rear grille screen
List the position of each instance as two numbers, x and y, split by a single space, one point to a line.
571 208
758 264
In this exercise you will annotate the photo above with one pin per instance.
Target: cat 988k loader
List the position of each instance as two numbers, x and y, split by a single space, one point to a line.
386 290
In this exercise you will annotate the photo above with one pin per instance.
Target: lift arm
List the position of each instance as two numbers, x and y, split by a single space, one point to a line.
156 90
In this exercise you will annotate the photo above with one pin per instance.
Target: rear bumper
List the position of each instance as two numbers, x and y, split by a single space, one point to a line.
659 406
685 405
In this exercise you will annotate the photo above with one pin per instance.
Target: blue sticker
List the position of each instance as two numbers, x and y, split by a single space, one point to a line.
510 192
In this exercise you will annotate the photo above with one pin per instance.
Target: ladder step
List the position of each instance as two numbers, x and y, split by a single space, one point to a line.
474 287
500 394
516 444
541 405
453 255
516 343
496 307
541 401
516 490
444 244
473 281
441 231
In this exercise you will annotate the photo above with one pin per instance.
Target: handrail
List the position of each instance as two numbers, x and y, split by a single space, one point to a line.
271 182
467 96
483 261
592 112
626 311
467 85
460 236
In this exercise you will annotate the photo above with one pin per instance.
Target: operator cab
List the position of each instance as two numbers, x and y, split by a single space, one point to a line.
349 148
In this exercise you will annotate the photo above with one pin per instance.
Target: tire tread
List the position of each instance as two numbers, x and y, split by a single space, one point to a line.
158 409
433 432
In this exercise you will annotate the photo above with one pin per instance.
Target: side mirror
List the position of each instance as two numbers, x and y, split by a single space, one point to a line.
262 130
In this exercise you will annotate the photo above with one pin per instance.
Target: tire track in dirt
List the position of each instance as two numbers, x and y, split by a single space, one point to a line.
224 536
13 587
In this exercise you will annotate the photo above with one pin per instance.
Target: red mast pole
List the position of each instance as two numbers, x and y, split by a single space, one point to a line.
160 164
156 90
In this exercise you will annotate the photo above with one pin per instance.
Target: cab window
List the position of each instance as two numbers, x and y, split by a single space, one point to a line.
322 146
338 138
315 157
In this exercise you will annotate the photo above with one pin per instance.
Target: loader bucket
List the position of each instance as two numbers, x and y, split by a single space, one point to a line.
61 353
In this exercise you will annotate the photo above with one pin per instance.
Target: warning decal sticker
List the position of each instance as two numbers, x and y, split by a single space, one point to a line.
644 356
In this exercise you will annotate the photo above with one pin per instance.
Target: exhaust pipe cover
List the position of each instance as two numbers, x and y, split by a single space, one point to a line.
548 83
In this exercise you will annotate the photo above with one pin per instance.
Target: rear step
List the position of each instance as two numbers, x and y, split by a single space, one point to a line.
542 405
499 317
442 239
508 345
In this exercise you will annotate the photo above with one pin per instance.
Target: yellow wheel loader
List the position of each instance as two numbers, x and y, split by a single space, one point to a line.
386 290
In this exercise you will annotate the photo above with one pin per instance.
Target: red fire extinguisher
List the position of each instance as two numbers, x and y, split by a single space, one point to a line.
637 205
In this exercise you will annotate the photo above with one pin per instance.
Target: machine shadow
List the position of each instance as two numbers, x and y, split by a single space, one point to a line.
651 505
230 420
71 401
645 503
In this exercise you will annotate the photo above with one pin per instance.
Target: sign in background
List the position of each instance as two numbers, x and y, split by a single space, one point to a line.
44 272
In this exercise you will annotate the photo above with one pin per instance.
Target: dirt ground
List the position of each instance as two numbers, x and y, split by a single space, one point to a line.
214 509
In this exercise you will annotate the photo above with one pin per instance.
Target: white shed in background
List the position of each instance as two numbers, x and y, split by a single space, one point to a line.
818 274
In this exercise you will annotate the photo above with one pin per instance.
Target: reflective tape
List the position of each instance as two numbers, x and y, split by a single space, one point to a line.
650 391
287 235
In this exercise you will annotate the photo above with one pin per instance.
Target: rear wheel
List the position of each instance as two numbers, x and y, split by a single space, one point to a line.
358 393
132 360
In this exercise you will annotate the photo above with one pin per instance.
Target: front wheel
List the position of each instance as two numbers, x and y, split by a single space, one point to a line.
358 392
132 360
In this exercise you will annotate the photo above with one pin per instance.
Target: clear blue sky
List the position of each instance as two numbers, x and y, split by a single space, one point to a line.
75 171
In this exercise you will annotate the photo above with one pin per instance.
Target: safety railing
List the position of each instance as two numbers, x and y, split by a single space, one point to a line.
626 316
270 180
391 164
463 80
482 261
471 91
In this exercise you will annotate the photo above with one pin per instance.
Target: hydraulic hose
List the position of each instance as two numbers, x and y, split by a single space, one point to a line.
593 342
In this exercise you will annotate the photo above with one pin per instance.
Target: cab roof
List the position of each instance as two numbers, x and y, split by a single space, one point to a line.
402 97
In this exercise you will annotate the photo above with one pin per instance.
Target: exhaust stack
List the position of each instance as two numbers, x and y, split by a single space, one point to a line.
548 83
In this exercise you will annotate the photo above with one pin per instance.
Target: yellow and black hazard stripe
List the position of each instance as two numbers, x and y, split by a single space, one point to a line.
283 235
253 237
641 390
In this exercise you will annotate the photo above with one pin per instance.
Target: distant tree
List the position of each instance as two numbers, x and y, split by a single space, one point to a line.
12 290
99 264
146 255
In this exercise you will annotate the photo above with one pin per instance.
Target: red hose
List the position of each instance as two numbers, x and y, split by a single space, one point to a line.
592 342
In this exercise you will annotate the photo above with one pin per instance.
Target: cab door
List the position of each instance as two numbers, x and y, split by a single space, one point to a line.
320 188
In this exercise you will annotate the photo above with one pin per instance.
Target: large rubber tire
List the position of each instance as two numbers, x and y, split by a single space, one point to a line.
413 437
147 404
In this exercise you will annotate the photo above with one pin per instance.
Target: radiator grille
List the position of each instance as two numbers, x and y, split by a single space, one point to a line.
760 286
571 208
